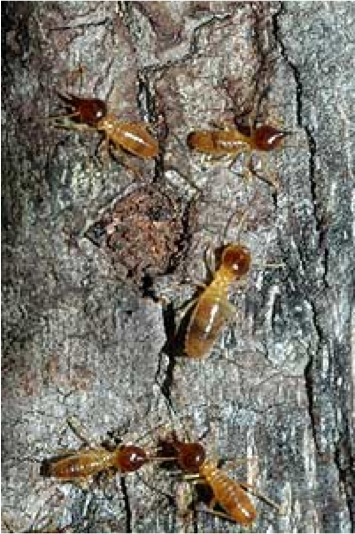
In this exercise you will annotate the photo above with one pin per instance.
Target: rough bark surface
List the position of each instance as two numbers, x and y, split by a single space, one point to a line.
86 337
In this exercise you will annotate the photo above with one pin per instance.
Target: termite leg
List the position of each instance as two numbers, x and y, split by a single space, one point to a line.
164 300
262 496
241 222
209 160
63 116
62 122
229 310
103 151
208 510
196 283
269 265
122 159
178 170
269 177
246 173
209 260
187 179
78 429
83 483
185 308
217 513
229 464
220 125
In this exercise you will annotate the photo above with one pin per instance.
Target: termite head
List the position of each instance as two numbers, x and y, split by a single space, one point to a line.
92 111
236 260
131 458
87 110
268 138
190 456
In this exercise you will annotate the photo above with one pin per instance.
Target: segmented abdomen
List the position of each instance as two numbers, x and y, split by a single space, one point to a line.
207 319
217 142
80 465
134 138
229 494
206 322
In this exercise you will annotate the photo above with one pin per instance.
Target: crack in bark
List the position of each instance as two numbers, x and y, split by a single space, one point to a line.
311 370
347 481
147 107
82 26
126 504
312 146
124 11
169 349
193 51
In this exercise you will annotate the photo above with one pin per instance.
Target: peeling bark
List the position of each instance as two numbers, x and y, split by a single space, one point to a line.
82 338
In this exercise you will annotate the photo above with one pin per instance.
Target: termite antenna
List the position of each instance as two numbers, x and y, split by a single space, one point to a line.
242 220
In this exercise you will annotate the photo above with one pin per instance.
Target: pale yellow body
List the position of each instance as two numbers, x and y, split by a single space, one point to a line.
130 136
209 316
229 494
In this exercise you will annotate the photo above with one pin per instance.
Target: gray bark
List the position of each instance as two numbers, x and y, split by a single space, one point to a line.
83 338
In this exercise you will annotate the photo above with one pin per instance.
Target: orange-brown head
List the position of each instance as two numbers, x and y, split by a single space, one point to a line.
89 110
268 138
130 458
236 260
190 456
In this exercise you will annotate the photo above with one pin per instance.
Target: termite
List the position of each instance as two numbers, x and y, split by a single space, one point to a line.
232 142
212 308
132 137
87 111
91 114
83 464
229 494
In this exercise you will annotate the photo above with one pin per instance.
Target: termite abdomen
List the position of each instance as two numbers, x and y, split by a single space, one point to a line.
78 465
229 495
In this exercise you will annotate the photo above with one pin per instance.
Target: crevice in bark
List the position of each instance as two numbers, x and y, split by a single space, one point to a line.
346 475
310 368
126 504
312 146
126 12
147 107
194 49
170 350
309 385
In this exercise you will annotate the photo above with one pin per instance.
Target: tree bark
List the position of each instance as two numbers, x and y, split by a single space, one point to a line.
85 333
